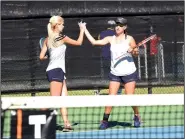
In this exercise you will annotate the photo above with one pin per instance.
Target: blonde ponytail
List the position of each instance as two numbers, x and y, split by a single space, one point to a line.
51 35
50 31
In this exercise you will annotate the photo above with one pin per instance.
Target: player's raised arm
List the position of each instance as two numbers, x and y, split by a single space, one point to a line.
79 41
102 42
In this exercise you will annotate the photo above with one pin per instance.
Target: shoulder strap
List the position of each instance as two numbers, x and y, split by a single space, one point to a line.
61 36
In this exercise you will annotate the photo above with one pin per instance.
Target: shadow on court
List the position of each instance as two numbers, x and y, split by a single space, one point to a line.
110 125
61 127
116 123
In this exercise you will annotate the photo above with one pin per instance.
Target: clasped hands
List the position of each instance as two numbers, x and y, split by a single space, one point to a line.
133 51
82 25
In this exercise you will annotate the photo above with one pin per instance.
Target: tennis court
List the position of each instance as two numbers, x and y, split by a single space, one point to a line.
160 121
159 125
147 132
160 66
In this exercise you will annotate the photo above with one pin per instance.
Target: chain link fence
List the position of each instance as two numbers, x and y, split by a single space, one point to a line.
160 63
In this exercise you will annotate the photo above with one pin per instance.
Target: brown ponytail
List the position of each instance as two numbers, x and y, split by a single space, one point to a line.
125 32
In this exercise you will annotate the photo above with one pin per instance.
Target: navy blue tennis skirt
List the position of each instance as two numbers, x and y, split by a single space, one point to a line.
124 79
55 75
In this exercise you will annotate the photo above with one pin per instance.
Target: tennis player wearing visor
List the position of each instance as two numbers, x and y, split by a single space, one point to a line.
123 69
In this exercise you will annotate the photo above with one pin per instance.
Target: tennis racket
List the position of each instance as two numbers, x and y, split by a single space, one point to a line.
146 40
141 43
41 43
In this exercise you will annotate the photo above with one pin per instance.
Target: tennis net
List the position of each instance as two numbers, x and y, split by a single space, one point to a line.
162 116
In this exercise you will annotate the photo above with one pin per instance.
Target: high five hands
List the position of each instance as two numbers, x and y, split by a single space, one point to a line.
82 25
133 51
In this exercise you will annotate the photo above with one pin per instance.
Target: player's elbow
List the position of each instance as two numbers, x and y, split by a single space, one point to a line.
135 52
93 43
41 57
78 43
135 55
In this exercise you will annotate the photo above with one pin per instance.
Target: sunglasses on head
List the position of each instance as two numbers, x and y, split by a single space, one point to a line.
120 25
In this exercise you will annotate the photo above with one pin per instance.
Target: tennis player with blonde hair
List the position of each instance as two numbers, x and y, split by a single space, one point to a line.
55 44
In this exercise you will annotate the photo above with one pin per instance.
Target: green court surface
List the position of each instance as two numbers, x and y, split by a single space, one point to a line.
152 116
88 119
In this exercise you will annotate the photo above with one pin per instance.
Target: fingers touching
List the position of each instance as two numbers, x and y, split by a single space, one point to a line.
82 25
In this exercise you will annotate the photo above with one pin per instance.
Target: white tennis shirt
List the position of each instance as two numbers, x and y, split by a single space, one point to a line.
122 62
57 57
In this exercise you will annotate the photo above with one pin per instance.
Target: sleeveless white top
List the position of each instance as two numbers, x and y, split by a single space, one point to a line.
122 62
57 57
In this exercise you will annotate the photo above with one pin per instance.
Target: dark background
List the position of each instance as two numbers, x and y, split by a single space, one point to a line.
24 23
